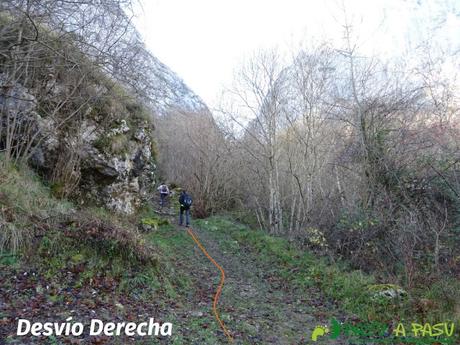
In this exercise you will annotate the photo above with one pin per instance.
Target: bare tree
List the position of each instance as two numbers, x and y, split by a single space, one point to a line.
259 94
194 154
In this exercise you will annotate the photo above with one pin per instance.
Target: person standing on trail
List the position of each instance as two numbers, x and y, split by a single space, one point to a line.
185 201
164 192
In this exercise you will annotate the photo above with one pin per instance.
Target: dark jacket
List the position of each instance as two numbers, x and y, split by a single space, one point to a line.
182 197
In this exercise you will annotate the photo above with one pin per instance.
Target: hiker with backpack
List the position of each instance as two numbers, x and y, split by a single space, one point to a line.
185 201
164 192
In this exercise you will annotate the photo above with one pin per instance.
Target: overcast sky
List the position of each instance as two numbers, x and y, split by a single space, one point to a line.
203 41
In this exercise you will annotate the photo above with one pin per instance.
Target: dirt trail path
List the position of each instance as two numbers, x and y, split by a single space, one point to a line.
256 308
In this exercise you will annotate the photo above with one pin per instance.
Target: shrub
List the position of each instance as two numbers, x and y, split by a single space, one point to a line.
110 238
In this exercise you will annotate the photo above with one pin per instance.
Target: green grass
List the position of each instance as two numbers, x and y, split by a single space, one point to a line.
58 254
350 288
173 246
24 193
169 240
9 259
26 205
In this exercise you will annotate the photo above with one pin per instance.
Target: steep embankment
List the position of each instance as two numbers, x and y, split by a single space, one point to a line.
58 261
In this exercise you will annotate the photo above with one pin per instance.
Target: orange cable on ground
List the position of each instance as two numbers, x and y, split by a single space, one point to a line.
221 284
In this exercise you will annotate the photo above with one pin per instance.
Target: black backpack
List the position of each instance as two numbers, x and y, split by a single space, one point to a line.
187 201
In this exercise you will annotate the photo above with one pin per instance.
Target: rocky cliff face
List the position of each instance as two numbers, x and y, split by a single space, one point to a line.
112 161
117 168
77 101
174 93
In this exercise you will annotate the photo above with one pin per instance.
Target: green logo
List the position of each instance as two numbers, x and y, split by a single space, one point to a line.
381 333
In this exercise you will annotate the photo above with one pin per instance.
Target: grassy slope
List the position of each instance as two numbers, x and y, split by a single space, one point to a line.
350 288
57 261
